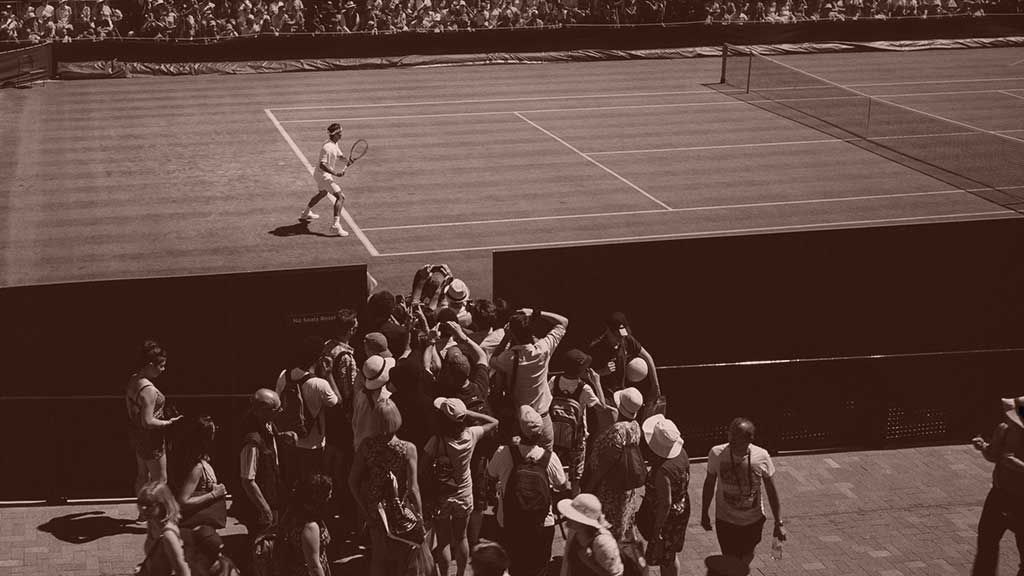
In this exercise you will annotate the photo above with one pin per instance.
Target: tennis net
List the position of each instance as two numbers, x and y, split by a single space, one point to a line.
982 162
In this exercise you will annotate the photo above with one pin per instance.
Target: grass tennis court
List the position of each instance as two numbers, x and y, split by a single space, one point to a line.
157 176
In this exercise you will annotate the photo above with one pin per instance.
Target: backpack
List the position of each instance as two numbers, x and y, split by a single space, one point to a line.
265 562
631 471
527 496
566 417
277 550
334 349
475 397
442 469
294 416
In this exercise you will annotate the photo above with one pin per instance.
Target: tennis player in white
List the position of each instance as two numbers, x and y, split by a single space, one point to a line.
324 175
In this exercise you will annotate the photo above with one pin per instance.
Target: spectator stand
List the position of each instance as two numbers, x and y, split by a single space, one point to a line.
96 41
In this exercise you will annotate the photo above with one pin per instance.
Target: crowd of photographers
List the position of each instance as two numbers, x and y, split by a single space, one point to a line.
431 429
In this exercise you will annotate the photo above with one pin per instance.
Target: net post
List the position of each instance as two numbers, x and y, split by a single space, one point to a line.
725 56
750 66
867 127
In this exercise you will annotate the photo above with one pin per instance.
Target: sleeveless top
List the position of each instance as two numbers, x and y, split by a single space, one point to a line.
207 479
134 404
156 562
383 455
296 564
677 470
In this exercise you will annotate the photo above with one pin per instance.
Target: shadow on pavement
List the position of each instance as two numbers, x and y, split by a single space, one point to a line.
85 527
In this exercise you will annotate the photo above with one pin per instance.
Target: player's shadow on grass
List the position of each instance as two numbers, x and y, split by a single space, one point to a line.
298 229
83 527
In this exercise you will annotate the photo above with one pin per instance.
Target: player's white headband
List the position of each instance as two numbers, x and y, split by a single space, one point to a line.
335 131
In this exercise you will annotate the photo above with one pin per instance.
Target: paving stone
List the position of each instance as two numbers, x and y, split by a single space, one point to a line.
912 511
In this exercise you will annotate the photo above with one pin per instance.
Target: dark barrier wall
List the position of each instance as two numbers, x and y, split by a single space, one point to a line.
68 350
25 65
535 40
851 403
855 292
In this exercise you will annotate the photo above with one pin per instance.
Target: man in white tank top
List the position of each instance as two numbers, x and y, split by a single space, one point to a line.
324 173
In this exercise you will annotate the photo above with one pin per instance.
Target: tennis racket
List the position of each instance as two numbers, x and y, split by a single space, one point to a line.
359 148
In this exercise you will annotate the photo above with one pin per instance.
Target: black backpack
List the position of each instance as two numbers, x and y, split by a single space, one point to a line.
294 417
631 471
527 496
566 418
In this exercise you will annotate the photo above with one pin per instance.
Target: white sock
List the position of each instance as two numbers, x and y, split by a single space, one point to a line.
337 222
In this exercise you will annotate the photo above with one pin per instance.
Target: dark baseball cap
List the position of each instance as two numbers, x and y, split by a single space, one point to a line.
576 362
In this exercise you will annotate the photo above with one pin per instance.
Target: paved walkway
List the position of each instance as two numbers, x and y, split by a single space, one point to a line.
885 513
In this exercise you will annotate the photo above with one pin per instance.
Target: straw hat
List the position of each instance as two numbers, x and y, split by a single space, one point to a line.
457 291
628 401
585 509
377 371
662 436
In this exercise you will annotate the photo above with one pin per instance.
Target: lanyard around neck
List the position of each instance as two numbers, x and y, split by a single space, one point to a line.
750 470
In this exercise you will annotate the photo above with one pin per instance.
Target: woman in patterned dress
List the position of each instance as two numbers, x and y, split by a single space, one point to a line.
305 535
370 483
665 511
619 506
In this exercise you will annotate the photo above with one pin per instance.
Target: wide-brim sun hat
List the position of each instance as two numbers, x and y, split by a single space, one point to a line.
584 508
628 401
662 436
377 371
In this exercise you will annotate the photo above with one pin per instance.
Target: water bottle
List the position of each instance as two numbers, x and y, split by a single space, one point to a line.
776 548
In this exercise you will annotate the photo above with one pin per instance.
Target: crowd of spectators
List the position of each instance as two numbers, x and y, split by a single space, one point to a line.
405 424
64 20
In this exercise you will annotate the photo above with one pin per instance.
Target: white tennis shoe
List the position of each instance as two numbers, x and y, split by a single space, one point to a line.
338 229
308 215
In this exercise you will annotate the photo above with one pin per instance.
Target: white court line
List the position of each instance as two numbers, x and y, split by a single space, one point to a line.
396 117
936 116
857 96
960 81
669 211
1002 213
1008 93
592 161
946 93
585 96
302 158
498 112
782 143
495 100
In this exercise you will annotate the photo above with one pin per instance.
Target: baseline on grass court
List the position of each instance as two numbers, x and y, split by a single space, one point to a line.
537 106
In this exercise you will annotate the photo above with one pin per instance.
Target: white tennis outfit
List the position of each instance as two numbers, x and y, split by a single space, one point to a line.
330 152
